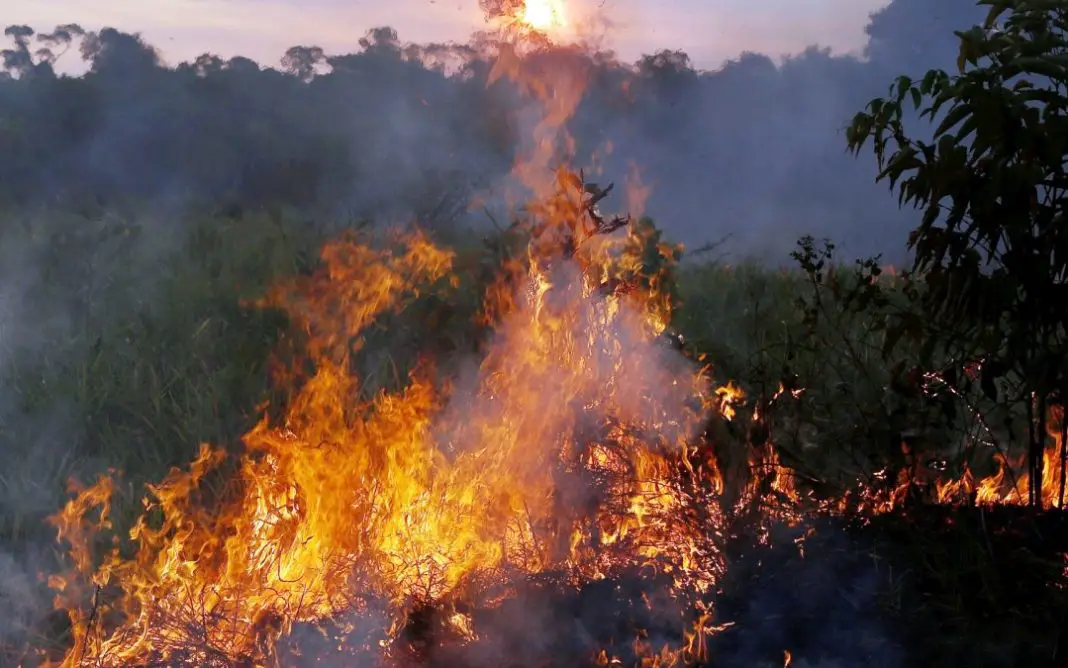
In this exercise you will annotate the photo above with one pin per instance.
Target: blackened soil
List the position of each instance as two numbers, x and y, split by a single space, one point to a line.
933 586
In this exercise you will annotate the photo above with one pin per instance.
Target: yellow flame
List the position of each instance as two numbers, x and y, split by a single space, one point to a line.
570 448
409 497
544 15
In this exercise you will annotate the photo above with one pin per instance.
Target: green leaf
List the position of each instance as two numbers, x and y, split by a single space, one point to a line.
1042 66
932 81
996 10
966 128
904 84
955 116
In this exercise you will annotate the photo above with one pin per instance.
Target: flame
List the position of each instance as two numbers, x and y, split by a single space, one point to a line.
569 446
567 449
562 455
1009 485
544 15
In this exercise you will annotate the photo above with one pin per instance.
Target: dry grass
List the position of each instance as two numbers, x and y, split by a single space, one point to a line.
166 358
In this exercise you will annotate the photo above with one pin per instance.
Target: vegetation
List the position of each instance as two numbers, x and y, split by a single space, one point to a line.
391 130
990 256
131 340
141 392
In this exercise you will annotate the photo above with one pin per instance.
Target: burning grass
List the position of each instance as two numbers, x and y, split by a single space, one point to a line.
545 474
578 467
917 558
566 451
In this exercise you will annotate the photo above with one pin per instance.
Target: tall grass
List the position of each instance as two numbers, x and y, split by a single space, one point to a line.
125 345
129 345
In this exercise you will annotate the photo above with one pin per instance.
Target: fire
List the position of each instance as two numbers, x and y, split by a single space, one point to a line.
529 23
1008 486
570 447
562 453
544 15
561 448
566 449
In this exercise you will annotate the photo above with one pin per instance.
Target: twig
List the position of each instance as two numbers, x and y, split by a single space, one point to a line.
91 620
492 219
710 246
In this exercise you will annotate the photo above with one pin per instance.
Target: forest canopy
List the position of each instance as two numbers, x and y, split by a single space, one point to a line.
396 130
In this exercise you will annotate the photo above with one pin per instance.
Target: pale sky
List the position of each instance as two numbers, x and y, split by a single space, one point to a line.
709 30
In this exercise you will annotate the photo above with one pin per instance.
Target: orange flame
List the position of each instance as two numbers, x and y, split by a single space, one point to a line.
568 446
1007 486
410 496
544 15
562 450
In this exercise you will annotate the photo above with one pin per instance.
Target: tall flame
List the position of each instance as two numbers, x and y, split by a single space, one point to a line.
560 452
567 447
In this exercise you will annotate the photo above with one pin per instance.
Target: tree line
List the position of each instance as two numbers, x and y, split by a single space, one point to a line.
401 130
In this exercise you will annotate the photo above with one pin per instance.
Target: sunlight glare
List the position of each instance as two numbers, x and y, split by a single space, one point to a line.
544 15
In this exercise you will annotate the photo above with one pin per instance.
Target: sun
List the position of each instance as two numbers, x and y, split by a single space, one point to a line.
544 15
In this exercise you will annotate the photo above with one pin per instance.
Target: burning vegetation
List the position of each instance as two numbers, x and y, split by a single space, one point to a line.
575 465
570 462
570 454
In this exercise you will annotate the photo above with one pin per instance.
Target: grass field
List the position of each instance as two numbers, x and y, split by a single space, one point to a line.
126 345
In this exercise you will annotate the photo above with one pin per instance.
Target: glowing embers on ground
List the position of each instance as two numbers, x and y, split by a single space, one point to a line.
1008 485
566 451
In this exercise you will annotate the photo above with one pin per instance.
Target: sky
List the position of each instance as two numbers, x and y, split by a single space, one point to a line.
711 31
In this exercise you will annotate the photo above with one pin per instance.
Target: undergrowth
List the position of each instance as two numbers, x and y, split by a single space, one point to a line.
126 344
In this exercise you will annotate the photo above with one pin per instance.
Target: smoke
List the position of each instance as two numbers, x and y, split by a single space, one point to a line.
30 490
825 604
23 599
351 639
752 151
41 316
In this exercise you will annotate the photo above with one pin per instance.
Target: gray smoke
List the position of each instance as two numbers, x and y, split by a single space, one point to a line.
106 177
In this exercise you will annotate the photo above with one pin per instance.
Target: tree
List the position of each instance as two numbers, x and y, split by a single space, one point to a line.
991 250
301 61
22 62
207 64
242 65
671 72
382 39
910 35
58 42
18 60
119 55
